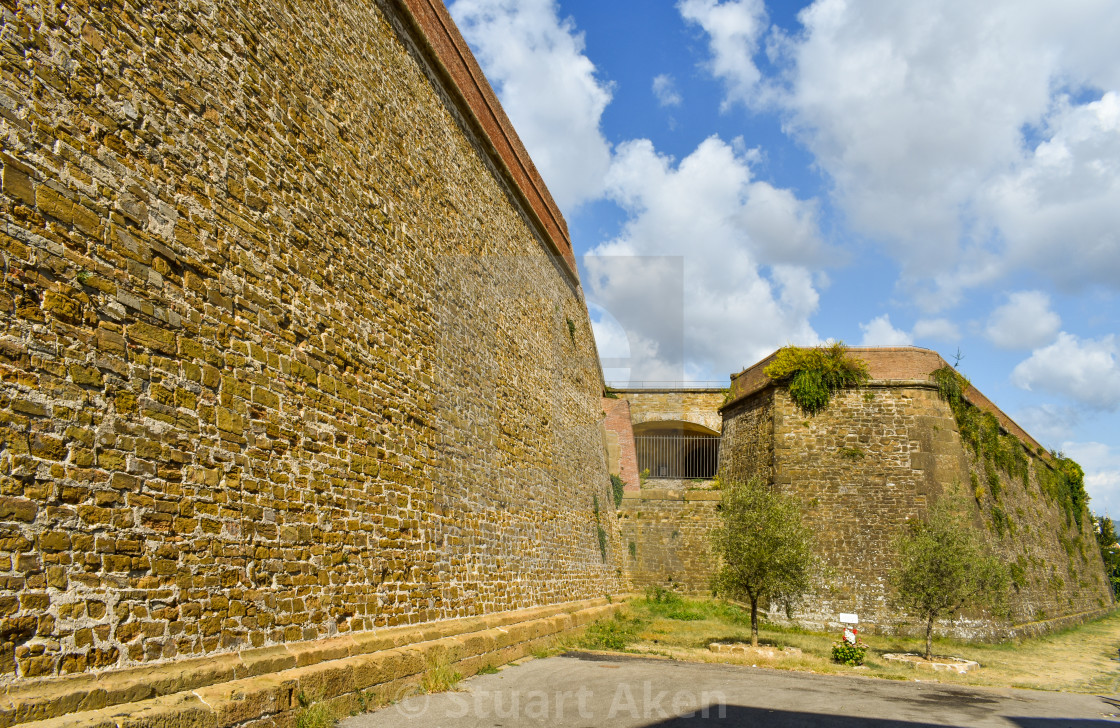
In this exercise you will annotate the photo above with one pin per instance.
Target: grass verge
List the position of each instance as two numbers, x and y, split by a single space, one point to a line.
1079 659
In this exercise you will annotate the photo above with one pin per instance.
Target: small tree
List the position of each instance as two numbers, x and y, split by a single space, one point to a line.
945 565
765 551
1110 551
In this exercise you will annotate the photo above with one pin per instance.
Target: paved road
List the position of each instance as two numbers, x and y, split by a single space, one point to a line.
581 691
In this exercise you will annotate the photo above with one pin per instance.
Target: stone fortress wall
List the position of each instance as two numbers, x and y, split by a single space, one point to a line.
694 406
875 458
666 537
293 348
665 523
878 456
292 342
622 457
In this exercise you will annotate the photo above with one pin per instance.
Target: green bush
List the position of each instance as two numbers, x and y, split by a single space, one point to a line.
611 634
1001 522
660 595
662 602
1110 552
1064 483
600 532
846 653
993 483
440 675
813 374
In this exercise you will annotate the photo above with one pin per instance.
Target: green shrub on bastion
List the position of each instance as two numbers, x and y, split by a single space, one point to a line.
813 374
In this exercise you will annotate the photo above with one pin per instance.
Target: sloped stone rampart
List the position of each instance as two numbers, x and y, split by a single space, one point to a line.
877 457
284 352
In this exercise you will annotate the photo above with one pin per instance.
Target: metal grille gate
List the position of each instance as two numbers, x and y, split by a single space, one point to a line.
678 456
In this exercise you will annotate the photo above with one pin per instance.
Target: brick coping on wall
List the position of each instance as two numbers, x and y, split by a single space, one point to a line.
236 688
449 53
889 366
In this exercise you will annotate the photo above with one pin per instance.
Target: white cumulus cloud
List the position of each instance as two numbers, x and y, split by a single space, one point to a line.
1059 208
734 30
665 89
936 329
1049 423
718 280
548 87
1085 370
880 332
1024 322
971 139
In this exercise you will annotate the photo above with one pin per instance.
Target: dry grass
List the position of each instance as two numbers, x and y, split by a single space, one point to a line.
1080 659
440 676
316 716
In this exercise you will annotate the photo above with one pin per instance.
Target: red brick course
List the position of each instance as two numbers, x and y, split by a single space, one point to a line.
618 422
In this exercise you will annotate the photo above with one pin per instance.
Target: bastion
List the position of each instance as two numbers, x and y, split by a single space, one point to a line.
294 349
878 456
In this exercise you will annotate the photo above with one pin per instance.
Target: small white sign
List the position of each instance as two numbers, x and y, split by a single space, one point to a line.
849 618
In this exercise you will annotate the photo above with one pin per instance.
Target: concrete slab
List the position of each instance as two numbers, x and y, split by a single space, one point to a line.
937 664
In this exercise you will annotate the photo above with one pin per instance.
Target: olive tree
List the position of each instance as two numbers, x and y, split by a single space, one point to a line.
765 551
945 565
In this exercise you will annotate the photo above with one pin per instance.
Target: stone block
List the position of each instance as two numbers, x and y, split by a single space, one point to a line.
310 653
18 509
152 337
243 700
53 204
17 184
265 660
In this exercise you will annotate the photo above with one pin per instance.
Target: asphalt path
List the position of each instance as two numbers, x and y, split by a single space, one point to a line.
584 690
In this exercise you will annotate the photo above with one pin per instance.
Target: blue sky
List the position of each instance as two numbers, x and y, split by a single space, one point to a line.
741 175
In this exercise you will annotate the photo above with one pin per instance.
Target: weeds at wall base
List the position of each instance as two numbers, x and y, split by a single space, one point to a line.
316 716
440 675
